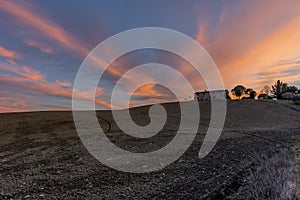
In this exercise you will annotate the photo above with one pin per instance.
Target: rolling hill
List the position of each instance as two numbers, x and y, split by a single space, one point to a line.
42 157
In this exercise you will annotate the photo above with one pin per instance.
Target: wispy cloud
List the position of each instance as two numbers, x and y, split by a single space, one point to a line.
33 19
39 45
31 80
17 105
26 14
250 37
36 88
24 79
23 71
8 53
64 83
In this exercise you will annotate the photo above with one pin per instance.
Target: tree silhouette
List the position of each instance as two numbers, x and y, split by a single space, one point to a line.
248 91
227 95
279 88
238 91
292 89
252 94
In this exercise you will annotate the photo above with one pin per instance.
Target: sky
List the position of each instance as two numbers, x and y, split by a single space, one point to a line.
43 43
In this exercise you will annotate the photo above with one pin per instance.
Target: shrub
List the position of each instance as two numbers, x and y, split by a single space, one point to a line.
297 99
273 178
288 96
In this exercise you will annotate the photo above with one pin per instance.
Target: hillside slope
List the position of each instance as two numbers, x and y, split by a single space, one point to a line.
41 155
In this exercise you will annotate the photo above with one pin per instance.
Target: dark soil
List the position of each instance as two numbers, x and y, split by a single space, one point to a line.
42 157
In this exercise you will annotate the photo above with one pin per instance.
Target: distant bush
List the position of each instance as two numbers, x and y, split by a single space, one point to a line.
288 96
297 99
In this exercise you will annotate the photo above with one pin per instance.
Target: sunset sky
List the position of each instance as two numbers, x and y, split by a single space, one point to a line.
43 43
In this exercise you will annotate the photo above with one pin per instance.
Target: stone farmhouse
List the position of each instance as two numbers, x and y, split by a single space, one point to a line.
209 95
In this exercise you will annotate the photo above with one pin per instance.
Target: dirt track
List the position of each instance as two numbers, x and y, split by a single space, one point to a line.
41 156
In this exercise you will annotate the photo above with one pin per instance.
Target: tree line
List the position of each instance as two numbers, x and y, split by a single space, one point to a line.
279 90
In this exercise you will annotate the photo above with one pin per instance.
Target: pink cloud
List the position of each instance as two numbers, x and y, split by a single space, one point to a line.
39 45
23 71
26 14
17 105
250 38
64 83
32 81
45 87
7 53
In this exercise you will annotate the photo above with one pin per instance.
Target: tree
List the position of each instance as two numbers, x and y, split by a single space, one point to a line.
292 89
238 91
248 91
227 95
279 88
252 94
265 90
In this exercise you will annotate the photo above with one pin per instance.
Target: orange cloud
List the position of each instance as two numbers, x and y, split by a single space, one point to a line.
7 53
33 19
8 109
39 45
49 88
27 15
148 90
32 81
246 45
99 91
23 71
64 83
13 105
